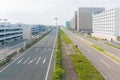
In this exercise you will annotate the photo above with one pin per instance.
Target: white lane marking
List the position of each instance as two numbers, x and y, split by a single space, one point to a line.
105 77
38 60
105 63
46 77
31 61
45 49
26 60
20 61
37 49
44 60
16 59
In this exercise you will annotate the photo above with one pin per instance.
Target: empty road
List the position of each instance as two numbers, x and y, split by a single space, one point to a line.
34 64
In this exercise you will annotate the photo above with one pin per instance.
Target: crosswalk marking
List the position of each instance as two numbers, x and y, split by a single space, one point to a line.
20 61
36 49
38 60
26 60
44 60
45 49
31 61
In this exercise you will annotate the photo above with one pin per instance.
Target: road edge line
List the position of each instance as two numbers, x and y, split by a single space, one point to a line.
46 77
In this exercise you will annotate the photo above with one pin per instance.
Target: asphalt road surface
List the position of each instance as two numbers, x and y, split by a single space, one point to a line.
35 64
100 43
15 45
109 68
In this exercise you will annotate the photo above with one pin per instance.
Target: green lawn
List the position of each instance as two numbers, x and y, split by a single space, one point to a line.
98 48
85 70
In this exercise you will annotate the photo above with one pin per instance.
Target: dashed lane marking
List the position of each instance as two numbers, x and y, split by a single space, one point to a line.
38 60
45 49
26 60
31 61
44 60
20 61
36 49
105 63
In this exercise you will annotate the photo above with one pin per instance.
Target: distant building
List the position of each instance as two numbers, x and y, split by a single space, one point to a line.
27 32
42 28
31 30
68 24
74 21
9 32
84 18
106 24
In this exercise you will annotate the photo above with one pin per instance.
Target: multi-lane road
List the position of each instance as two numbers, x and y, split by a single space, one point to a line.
100 43
34 64
109 68
16 45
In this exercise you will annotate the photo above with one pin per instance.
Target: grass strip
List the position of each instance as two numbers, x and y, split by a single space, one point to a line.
58 71
85 70
98 48
91 37
113 45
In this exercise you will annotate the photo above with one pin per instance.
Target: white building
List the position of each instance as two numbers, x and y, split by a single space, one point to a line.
30 31
106 24
9 32
74 21
27 32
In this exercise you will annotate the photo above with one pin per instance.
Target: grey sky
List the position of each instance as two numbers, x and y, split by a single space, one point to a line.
44 11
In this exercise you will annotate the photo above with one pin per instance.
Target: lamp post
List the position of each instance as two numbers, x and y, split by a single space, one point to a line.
56 21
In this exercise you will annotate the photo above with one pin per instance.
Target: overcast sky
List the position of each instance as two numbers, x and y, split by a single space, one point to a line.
44 11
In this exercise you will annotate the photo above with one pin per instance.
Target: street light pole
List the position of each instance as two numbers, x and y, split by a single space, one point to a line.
56 21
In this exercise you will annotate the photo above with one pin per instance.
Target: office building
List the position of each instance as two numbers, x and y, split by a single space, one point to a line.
106 24
74 21
9 32
68 24
84 18
29 31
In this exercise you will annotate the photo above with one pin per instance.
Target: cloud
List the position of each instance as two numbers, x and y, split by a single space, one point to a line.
44 11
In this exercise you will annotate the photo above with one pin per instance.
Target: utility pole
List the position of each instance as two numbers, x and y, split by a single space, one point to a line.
56 21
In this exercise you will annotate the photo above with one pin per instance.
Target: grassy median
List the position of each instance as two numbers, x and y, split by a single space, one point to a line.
98 48
58 71
85 70
91 37
112 45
